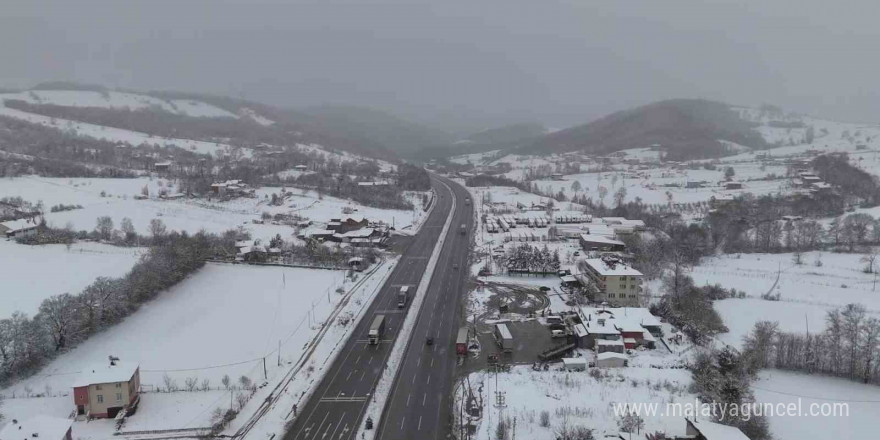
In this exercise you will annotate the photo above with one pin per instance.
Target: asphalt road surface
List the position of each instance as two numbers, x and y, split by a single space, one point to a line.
419 405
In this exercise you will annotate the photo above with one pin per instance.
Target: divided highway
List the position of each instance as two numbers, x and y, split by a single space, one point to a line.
414 410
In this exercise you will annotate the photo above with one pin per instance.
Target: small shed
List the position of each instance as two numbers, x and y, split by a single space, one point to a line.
574 364
610 360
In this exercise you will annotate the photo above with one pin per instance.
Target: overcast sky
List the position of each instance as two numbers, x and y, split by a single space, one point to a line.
475 61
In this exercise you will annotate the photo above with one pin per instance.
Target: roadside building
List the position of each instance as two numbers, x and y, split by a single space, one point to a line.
39 427
618 284
105 390
600 243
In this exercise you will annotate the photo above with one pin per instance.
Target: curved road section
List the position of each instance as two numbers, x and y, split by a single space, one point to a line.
419 406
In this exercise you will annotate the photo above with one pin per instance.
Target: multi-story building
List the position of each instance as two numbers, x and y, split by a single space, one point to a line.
618 284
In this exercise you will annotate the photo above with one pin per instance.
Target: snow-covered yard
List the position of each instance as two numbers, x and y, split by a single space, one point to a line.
33 273
578 399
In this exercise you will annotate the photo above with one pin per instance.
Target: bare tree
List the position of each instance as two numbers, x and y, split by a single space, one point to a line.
170 383
225 381
157 227
104 227
191 383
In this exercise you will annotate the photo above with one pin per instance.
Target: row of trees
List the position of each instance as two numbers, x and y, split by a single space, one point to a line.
67 319
528 258
849 346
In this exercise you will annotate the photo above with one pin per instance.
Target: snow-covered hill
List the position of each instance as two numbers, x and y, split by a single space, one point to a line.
119 100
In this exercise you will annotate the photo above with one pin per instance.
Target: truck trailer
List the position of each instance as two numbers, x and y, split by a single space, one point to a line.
377 327
503 337
463 229
461 341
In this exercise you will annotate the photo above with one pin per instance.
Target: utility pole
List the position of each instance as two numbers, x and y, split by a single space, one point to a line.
265 372
279 352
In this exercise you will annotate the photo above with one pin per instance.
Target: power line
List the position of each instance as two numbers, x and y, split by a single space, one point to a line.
204 368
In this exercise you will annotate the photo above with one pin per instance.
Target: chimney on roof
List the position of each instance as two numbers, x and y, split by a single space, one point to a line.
113 360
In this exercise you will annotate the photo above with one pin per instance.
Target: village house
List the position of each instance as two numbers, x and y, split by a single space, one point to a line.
19 228
230 188
704 430
162 167
104 390
345 224
618 284
733 185
39 427
301 167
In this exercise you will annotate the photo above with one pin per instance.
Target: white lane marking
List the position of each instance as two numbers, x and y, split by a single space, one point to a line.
362 375
432 362
424 397
407 399
337 424
420 424
429 379
349 375
401 422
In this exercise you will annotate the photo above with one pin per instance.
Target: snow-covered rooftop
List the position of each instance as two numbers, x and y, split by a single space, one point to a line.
603 268
121 372
717 431
20 224
593 238
610 355
41 426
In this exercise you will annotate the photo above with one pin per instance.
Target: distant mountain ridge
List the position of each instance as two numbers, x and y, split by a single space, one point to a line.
684 128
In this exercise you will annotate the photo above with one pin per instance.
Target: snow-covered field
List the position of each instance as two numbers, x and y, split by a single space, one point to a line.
222 320
783 387
184 215
223 314
31 274
807 291
648 185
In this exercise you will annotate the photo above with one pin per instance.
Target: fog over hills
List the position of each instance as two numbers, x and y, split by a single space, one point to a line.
460 65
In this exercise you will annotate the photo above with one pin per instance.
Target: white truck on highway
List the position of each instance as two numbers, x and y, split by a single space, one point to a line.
377 327
402 296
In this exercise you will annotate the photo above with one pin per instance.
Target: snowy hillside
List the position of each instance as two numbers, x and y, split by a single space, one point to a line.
119 100
118 135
